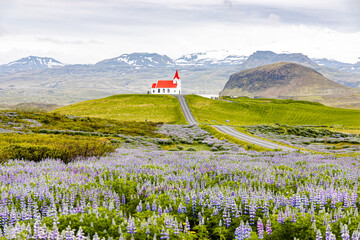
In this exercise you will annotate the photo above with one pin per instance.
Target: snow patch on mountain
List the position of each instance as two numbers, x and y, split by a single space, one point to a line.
214 57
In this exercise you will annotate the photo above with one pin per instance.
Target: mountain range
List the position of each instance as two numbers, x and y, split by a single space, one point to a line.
50 81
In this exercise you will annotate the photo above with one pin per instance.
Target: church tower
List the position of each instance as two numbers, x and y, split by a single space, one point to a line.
177 81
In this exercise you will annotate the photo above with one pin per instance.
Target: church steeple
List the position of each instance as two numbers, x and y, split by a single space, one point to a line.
176 75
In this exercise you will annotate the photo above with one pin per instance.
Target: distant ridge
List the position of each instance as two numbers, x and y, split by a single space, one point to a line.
33 63
260 58
138 60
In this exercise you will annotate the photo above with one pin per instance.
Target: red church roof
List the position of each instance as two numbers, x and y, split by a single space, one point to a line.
164 84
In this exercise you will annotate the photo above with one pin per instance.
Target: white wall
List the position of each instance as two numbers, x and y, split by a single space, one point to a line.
165 91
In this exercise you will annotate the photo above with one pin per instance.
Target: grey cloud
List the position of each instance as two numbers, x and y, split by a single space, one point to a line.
93 17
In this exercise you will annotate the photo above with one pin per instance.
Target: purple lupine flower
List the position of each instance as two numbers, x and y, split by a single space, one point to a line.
293 217
354 197
187 225
55 232
36 229
139 207
96 237
69 233
123 199
227 220
318 235
239 231
333 201
355 235
80 235
215 212
260 228
344 232
328 233
252 214
165 234
42 233
268 227
280 218
131 228
247 232
153 206
160 211
187 199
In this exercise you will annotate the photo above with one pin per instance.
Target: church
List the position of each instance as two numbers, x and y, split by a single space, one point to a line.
167 86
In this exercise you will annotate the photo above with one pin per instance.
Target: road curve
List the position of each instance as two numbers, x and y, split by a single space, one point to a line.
186 110
229 130
263 143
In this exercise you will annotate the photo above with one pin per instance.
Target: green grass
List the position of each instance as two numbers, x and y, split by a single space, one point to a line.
57 123
196 146
130 107
247 111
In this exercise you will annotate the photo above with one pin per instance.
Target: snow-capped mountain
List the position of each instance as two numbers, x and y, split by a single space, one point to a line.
214 57
348 67
33 63
137 60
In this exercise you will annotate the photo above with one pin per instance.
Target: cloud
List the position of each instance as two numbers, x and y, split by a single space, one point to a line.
62 42
67 29
227 3
273 18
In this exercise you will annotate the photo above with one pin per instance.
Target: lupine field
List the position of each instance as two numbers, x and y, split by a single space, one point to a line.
143 192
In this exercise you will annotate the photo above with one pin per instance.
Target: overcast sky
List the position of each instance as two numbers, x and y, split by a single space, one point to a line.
87 31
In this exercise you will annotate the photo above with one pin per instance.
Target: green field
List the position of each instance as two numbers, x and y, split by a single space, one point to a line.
129 107
38 135
247 111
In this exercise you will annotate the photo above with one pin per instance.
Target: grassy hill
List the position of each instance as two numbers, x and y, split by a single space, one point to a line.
129 107
247 111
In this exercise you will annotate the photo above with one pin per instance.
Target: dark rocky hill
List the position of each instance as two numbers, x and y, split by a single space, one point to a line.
287 80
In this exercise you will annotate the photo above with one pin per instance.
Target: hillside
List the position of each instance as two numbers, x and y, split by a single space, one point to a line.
129 107
289 80
247 111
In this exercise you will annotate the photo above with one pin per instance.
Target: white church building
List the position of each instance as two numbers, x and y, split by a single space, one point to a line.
167 86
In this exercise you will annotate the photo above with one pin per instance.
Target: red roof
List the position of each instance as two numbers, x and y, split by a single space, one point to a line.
164 84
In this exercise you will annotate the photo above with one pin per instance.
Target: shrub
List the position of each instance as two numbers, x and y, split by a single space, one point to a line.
180 147
214 149
35 147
